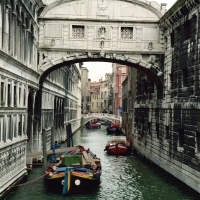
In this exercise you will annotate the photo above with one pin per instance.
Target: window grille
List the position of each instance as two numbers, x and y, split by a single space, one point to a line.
127 33
78 32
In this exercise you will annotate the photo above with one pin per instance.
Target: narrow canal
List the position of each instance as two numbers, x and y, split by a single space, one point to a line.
123 177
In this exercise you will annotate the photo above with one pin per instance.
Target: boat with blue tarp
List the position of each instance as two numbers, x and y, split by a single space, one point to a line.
76 172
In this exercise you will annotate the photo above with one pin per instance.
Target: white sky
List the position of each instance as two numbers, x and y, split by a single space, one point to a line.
99 69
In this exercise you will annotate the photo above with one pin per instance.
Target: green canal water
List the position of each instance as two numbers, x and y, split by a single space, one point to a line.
123 177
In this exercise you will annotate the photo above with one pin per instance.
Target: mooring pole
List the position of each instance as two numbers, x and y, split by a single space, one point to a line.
52 135
44 149
68 139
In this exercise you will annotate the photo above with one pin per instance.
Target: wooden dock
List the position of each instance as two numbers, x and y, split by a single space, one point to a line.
61 150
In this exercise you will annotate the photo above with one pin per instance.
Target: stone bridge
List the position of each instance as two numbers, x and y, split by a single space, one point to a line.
104 116
125 32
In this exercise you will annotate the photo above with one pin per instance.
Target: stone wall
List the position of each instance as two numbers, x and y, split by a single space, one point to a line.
166 131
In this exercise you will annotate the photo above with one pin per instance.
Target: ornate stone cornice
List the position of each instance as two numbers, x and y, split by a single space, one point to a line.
177 12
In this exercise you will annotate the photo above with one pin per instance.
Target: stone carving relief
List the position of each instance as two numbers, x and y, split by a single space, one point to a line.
46 59
154 62
150 46
102 7
102 35
52 43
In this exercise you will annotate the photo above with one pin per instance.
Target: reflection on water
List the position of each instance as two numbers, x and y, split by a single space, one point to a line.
123 177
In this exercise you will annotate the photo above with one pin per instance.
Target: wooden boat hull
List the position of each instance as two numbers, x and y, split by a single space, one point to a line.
118 146
117 149
83 184
93 126
75 173
77 182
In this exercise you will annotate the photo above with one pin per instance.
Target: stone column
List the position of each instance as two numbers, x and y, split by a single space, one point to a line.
6 29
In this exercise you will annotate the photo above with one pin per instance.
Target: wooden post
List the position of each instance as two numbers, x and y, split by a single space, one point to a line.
68 138
52 135
70 134
82 121
44 148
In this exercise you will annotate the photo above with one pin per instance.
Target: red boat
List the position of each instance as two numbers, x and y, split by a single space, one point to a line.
118 145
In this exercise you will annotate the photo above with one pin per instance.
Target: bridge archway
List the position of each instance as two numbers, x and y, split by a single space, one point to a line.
149 67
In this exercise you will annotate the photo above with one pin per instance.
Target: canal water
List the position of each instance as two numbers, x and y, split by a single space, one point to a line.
123 177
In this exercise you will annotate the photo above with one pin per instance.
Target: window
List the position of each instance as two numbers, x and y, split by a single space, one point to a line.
19 128
185 77
198 141
145 86
181 137
187 30
157 131
77 32
97 104
149 128
15 96
9 130
92 104
127 33
24 97
1 128
2 92
167 132
123 70
172 39
9 95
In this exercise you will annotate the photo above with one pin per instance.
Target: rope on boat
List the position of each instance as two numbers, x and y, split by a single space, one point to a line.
34 180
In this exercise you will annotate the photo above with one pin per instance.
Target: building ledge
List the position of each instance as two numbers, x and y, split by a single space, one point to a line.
180 149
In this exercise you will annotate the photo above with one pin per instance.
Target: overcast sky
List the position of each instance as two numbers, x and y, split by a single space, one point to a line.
98 69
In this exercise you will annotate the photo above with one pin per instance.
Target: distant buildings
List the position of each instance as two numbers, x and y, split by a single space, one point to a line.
119 73
85 90
104 95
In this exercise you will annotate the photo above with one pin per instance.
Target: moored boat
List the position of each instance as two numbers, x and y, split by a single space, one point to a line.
93 126
114 130
118 145
77 172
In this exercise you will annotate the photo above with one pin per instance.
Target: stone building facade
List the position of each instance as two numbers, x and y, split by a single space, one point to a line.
85 85
95 96
104 93
21 94
120 72
166 131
